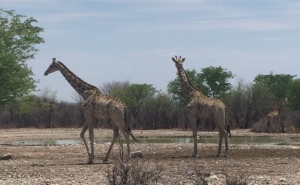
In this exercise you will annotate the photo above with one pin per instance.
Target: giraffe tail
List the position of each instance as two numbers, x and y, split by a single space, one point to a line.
227 125
130 133
228 130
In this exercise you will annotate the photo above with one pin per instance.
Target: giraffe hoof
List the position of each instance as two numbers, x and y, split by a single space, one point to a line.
105 160
195 155
90 162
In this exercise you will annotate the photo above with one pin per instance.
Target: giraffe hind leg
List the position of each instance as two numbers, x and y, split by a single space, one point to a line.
115 137
126 135
226 145
220 143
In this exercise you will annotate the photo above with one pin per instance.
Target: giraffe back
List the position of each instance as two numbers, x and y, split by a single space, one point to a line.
207 107
97 99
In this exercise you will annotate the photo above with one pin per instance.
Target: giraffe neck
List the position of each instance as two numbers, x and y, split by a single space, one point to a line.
77 83
280 108
186 86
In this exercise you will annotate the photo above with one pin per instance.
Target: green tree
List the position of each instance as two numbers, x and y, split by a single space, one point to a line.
293 94
277 84
18 36
133 96
215 79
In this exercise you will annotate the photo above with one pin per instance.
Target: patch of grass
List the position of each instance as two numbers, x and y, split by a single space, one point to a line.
136 171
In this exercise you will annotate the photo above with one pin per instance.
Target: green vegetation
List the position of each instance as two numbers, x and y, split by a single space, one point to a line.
18 36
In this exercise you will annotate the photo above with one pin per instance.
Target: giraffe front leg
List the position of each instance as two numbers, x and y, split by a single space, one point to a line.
194 129
84 128
91 155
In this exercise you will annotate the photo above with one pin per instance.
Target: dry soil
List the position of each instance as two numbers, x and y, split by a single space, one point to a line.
66 164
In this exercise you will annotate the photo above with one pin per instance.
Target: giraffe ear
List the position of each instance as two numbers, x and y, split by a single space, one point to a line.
183 59
173 59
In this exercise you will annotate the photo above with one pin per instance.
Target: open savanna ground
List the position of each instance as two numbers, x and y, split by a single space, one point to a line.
66 164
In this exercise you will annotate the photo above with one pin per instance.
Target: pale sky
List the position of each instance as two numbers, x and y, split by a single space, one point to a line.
118 40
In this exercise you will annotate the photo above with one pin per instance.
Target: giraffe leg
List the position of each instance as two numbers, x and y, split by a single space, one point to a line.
126 135
88 125
91 135
226 145
115 137
193 123
84 128
220 143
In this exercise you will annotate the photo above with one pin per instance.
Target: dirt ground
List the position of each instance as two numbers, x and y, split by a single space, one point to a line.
66 164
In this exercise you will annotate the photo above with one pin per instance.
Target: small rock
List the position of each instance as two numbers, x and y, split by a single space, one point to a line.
212 178
5 157
137 154
282 179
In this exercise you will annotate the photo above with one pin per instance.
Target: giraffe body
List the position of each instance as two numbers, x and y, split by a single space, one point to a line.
276 116
96 105
201 106
100 106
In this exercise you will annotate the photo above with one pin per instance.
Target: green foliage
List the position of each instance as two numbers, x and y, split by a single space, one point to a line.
133 95
29 104
294 95
215 79
32 103
18 36
212 81
277 84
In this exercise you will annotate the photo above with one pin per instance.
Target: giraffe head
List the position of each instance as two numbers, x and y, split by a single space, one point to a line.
178 61
52 68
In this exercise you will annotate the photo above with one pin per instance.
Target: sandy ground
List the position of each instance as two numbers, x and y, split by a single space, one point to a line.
272 164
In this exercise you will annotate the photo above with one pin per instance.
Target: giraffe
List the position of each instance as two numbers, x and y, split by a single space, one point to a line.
201 106
101 106
277 115
81 87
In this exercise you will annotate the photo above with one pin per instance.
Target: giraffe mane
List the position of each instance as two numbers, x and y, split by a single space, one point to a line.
189 81
77 76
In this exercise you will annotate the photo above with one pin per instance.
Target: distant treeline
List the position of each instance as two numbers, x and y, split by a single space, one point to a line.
247 107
